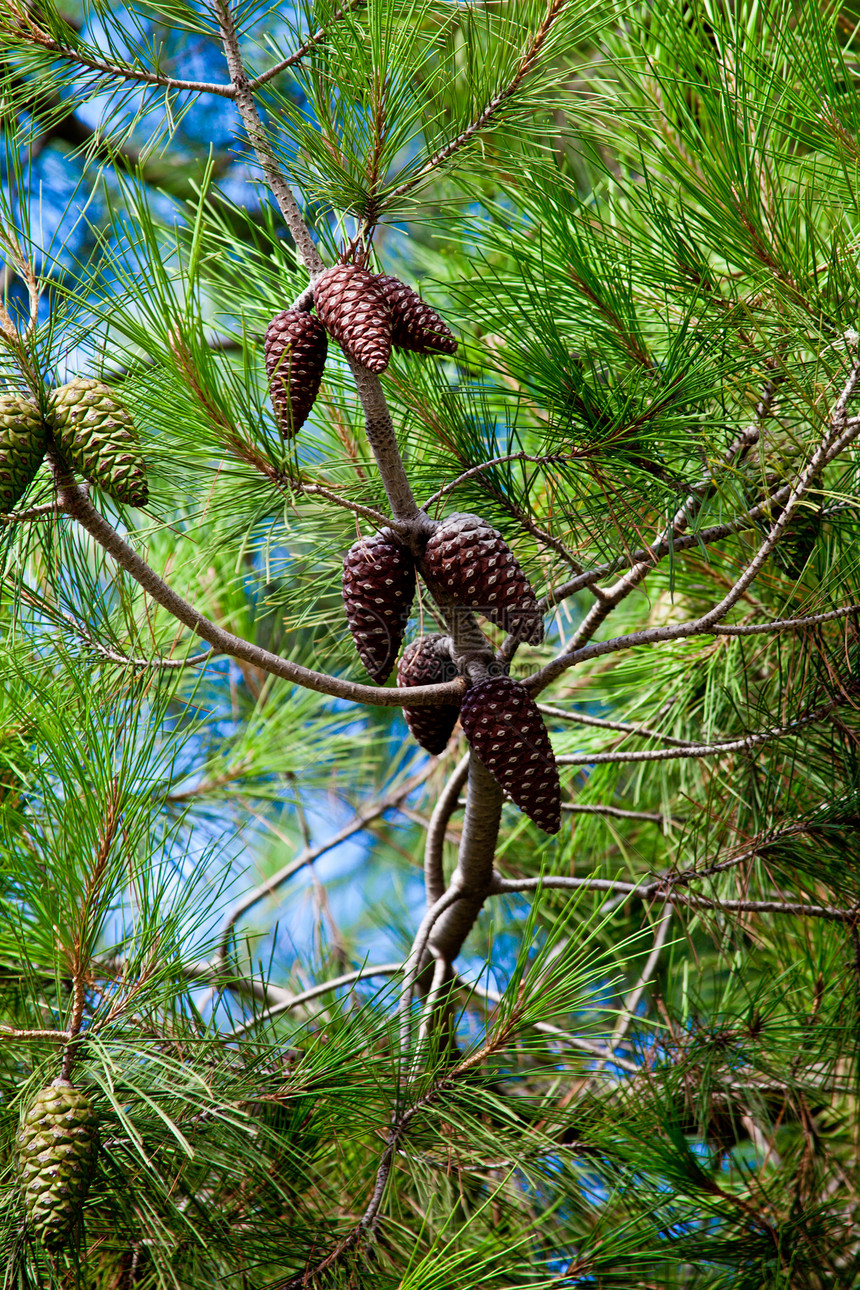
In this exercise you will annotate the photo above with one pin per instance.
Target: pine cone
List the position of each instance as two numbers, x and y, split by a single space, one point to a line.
97 437
417 326
296 347
354 309
22 447
378 588
501 721
57 1147
425 663
472 562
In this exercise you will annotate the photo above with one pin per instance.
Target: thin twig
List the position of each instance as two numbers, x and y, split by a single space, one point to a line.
61 1036
310 854
525 65
297 1000
29 29
602 723
304 49
745 744
561 882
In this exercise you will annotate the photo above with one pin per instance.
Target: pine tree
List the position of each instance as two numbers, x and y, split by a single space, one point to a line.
619 1054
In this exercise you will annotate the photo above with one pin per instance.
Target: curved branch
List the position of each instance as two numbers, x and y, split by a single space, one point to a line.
601 723
120 70
297 1000
75 504
434 881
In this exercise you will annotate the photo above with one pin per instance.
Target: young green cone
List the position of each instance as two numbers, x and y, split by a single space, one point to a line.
97 436
57 1147
22 447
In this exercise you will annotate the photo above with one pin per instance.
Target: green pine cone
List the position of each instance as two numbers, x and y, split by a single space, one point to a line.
57 1147
97 437
22 446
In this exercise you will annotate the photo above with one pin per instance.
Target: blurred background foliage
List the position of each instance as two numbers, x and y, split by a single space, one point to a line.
648 224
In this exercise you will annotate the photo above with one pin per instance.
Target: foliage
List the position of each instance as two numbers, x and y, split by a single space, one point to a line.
624 1056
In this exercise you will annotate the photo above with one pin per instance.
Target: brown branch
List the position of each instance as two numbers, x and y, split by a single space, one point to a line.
655 891
255 131
745 744
75 504
25 27
323 987
602 723
9 1032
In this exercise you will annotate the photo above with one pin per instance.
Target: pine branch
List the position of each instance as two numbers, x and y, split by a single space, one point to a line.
18 23
602 723
258 140
73 501
797 909
314 992
446 804
745 744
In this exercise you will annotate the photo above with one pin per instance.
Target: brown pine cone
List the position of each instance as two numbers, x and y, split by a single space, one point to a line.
426 662
378 588
504 728
353 307
296 346
472 562
417 326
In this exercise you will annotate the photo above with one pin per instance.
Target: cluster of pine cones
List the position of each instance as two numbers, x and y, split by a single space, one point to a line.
465 562
57 1143
468 563
368 314
89 431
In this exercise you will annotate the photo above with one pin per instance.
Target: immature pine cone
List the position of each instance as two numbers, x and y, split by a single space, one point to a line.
22 447
378 588
354 309
97 437
296 347
417 326
57 1147
425 662
505 729
472 562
